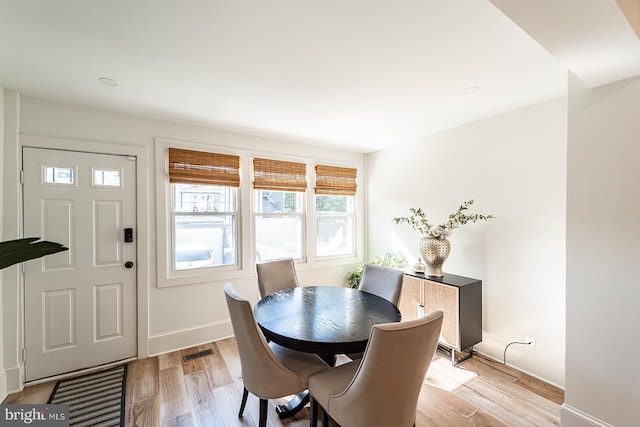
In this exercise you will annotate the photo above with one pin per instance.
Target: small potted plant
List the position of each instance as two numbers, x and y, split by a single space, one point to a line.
390 259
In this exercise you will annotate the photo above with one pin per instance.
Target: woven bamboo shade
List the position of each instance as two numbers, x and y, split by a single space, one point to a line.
279 175
335 181
199 167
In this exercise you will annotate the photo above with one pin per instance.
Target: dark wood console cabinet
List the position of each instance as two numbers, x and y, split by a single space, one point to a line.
460 298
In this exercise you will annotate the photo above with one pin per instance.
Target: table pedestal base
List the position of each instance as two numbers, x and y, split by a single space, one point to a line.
298 402
301 399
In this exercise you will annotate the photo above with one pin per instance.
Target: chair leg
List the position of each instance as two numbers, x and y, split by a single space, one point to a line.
263 413
313 414
325 418
245 394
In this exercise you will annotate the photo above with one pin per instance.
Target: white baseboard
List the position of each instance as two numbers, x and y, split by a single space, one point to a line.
13 379
185 338
3 386
572 417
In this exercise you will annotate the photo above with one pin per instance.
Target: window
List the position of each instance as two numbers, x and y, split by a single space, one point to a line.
334 210
204 208
107 178
58 175
278 208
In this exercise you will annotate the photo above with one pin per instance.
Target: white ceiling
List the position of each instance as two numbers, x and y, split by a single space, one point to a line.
359 74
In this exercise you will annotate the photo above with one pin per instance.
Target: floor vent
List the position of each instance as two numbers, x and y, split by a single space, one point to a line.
207 352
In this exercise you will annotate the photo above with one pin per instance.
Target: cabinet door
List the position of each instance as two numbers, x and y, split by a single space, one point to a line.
442 297
410 304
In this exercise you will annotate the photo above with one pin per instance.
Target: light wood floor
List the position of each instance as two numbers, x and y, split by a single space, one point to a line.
166 391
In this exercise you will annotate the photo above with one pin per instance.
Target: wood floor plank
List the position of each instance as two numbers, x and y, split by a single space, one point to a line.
166 391
506 382
229 352
200 391
203 408
481 418
524 409
541 388
429 413
173 392
146 413
487 405
181 421
227 399
146 382
450 402
132 373
170 360
216 368
206 418
192 365
38 393
444 375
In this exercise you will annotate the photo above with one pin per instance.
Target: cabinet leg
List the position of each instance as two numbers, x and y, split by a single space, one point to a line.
454 358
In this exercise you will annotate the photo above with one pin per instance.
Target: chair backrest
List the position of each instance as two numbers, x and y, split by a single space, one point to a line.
262 373
276 275
386 387
382 281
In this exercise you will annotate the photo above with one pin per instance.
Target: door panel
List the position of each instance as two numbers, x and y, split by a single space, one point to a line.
107 216
108 313
57 216
80 305
58 308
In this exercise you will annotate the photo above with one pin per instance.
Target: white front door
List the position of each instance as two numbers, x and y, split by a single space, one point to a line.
80 305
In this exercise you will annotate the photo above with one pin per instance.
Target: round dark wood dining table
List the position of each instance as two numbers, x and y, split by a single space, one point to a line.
325 320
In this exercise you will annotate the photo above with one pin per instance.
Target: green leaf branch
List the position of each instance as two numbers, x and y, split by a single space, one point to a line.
20 250
419 222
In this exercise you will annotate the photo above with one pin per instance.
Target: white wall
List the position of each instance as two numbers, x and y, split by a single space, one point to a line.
3 375
10 205
514 165
179 316
603 253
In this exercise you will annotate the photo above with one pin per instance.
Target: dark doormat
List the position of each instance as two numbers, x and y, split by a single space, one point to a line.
95 399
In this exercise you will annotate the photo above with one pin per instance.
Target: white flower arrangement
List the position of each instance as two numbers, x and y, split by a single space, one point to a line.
418 221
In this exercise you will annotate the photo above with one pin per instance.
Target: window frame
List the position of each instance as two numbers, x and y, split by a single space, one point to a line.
301 214
354 233
275 174
167 276
174 214
245 244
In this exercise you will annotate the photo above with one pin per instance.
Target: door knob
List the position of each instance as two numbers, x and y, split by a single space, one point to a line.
128 264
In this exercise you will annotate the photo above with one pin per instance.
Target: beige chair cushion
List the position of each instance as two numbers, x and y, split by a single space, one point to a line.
382 281
276 275
383 388
269 371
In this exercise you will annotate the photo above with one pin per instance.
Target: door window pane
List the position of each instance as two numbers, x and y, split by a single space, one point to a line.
107 178
58 175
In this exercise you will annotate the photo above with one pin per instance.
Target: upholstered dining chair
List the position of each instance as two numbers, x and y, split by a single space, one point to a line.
383 388
382 281
269 371
276 275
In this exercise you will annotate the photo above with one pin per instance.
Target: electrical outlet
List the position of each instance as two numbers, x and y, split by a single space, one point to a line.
531 343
